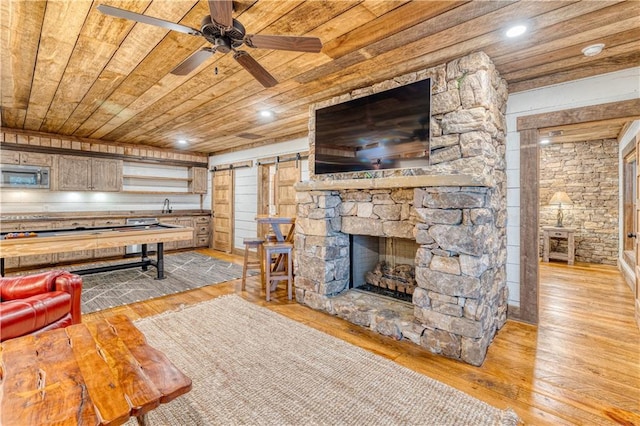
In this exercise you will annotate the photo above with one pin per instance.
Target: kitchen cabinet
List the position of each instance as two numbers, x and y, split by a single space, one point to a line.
74 173
202 226
78 173
199 180
106 174
10 157
27 158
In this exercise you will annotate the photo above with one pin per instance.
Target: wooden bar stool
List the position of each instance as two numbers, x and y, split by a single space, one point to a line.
250 243
275 275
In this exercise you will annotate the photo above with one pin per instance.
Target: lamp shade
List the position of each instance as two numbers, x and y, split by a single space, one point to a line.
560 198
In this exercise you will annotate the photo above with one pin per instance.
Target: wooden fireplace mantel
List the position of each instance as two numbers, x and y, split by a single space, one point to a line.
395 182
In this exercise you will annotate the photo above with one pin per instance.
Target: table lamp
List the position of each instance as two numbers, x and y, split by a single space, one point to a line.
560 198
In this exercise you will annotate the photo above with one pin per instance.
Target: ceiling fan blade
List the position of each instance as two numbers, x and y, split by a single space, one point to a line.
193 61
121 13
221 12
255 69
298 44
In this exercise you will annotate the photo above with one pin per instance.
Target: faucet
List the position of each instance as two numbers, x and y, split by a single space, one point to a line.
166 206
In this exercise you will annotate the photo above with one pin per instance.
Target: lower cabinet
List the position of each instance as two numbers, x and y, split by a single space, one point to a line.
202 226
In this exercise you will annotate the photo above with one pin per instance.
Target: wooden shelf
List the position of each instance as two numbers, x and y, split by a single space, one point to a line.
159 192
395 182
156 178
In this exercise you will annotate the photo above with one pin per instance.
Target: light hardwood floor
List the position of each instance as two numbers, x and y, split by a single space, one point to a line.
581 365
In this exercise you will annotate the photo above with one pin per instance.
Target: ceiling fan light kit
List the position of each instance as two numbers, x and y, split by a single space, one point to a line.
225 35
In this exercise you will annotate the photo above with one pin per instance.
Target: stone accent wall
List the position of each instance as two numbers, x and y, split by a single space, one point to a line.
468 104
461 299
588 173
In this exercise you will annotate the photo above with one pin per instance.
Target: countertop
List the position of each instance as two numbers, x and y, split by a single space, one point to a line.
96 215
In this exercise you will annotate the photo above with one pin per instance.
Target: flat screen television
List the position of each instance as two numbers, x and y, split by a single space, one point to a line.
385 130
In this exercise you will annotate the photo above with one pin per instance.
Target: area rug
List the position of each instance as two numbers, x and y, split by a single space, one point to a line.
183 271
252 366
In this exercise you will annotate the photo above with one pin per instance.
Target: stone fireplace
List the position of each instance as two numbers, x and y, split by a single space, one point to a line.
453 213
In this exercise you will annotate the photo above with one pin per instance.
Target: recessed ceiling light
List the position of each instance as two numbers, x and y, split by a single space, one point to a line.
182 142
266 113
593 49
544 141
516 30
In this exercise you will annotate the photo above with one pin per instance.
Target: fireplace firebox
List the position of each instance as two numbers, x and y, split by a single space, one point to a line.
384 266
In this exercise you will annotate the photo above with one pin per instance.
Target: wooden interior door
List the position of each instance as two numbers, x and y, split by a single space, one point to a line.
629 196
637 239
222 208
287 174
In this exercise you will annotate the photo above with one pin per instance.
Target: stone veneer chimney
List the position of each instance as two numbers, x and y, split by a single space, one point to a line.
455 209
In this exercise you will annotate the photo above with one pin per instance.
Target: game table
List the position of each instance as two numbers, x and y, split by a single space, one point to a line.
88 238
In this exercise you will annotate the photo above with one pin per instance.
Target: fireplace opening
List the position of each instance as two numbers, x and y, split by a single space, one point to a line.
384 266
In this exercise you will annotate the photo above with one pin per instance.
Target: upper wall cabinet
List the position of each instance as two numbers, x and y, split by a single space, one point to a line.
199 180
27 158
76 173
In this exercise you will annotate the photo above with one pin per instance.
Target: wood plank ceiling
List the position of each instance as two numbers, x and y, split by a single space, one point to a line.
71 70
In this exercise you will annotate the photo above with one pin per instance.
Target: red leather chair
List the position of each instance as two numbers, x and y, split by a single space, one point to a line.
35 303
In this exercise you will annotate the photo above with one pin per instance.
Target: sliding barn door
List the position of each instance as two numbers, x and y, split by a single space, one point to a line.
222 200
276 196
287 174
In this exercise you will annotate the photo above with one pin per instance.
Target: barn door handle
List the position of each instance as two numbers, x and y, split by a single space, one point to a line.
631 235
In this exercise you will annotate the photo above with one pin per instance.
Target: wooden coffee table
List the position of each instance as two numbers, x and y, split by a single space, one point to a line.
96 373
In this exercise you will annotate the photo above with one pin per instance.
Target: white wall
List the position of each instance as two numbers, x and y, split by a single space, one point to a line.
246 182
612 87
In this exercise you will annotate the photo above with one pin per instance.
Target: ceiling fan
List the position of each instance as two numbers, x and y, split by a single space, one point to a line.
225 35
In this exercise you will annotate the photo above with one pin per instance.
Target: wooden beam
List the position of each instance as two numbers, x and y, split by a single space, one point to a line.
609 111
529 207
604 66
